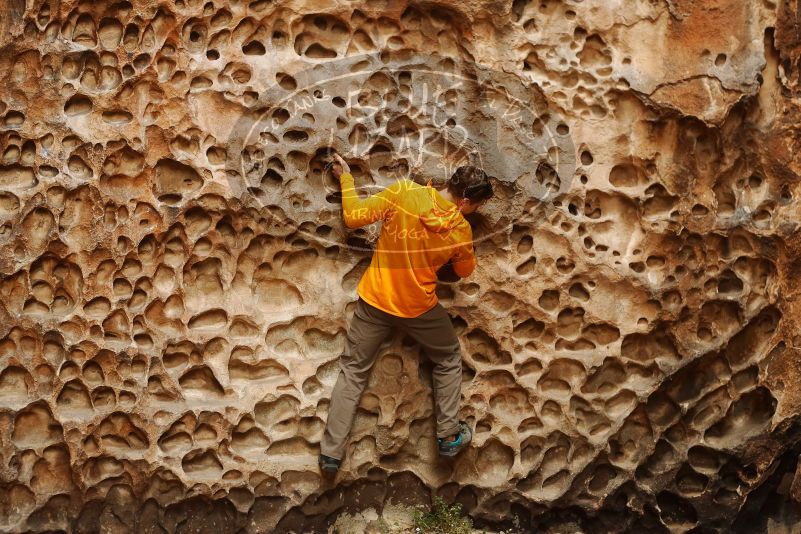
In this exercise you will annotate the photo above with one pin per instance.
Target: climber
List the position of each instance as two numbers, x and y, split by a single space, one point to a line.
424 230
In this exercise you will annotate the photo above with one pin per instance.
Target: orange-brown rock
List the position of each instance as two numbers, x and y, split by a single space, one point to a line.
176 279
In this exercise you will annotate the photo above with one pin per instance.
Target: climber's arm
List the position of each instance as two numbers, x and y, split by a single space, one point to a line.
361 211
357 211
463 260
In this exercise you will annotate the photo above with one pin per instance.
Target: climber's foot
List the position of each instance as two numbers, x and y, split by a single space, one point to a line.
328 465
454 445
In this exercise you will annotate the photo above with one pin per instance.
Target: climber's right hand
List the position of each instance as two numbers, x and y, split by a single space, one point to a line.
340 166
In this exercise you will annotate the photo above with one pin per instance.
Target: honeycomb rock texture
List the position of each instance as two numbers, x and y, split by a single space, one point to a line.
176 279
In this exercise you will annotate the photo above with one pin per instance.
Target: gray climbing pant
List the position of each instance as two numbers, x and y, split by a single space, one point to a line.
434 332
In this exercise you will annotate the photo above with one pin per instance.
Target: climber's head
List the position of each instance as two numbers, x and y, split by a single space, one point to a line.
470 187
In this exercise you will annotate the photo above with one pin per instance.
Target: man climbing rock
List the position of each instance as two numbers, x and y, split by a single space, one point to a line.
423 230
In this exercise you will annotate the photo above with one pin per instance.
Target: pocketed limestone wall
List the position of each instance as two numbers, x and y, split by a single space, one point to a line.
176 279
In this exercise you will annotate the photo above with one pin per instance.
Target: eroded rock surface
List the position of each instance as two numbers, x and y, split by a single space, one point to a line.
176 277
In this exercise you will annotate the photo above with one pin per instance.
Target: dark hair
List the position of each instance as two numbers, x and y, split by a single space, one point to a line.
470 183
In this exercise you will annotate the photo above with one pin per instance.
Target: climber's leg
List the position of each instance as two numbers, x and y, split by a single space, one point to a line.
368 328
434 331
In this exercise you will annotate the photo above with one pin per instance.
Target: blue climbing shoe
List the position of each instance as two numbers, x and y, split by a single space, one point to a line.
463 438
328 465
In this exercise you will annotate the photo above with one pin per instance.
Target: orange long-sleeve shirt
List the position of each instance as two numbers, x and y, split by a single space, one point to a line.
421 232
